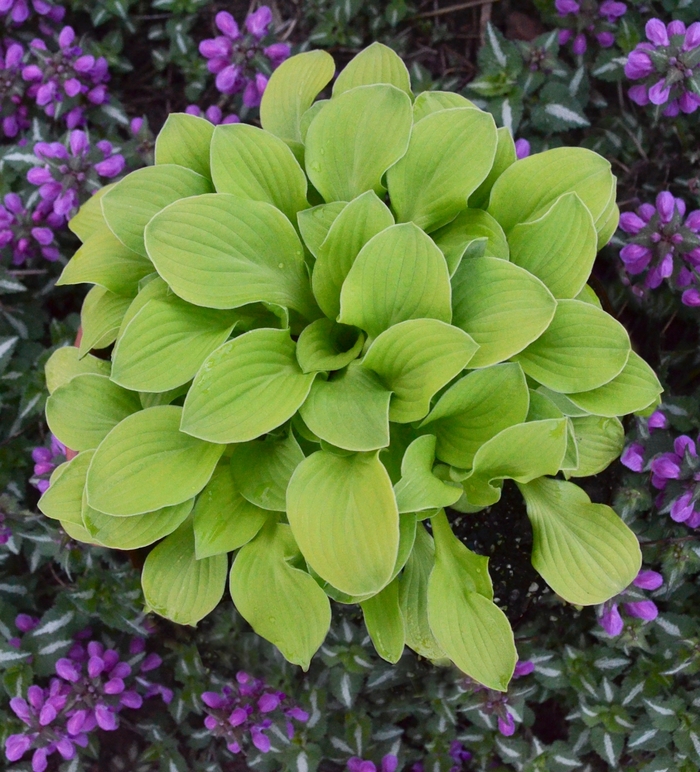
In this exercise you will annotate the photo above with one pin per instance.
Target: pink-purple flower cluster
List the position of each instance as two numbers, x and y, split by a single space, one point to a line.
588 18
634 603
45 461
240 60
21 235
668 64
659 233
70 174
389 763
17 11
66 81
246 711
92 686
213 114
13 110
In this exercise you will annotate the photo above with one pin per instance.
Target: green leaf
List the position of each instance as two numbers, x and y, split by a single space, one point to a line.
503 307
146 463
130 205
522 453
582 349
419 489
415 359
100 318
375 64
359 221
131 533
223 520
632 390
384 621
104 260
292 88
559 248
505 157
246 388
64 498
475 409
315 223
78 532
355 138
65 363
185 140
469 226
399 274
350 411
584 552
448 157
89 219
83 411
261 470
413 597
429 102
599 442
178 586
253 164
344 518
165 344
587 295
468 626
220 251
152 288
283 604
327 345
528 188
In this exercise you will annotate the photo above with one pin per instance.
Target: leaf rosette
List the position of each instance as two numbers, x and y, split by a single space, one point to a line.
316 344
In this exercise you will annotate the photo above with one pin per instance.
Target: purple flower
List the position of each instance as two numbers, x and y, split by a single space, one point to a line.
522 148
611 621
642 609
666 466
523 668
648 580
589 21
657 420
258 22
18 11
633 457
506 725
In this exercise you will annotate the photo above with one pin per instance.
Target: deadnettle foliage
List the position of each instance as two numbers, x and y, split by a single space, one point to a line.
326 331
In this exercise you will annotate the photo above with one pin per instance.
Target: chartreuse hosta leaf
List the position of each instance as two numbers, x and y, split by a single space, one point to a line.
587 295
129 206
146 463
344 518
83 411
222 519
375 64
448 157
357 136
247 387
104 260
292 88
475 409
505 157
428 102
522 453
399 274
315 223
584 552
65 363
528 188
415 359
559 248
418 488
90 219
101 317
165 344
327 345
350 410
385 623
64 498
151 288
413 597
467 625
582 349
277 598
599 441
632 390
502 306
221 251
359 221
255 164
261 470
132 533
185 140
178 586
469 228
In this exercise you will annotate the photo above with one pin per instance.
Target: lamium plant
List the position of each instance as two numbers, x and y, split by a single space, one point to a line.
319 335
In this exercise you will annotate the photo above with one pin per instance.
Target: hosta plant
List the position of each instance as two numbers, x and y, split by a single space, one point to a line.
318 335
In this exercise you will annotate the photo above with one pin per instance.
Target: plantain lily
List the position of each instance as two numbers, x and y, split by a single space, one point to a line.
317 346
